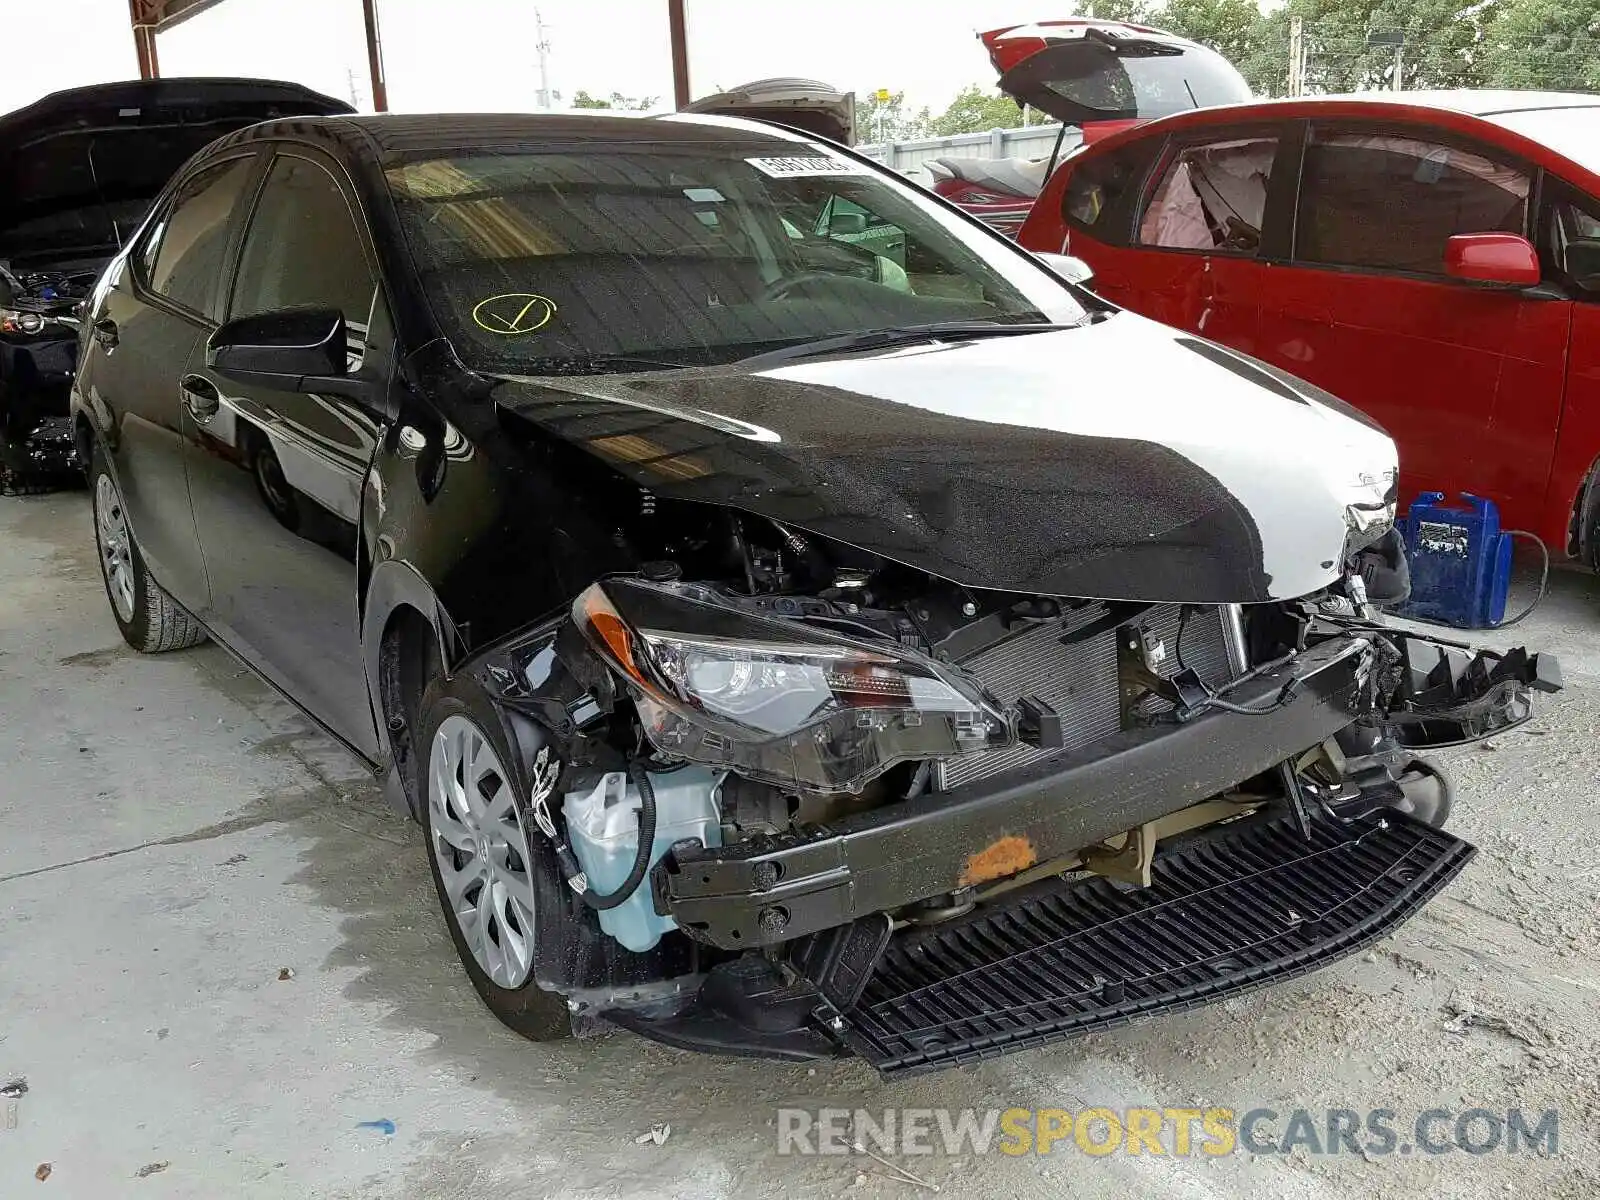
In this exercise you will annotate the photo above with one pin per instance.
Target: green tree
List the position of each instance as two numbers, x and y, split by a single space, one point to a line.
1552 44
976 110
887 119
1236 29
616 101
1444 42
1138 12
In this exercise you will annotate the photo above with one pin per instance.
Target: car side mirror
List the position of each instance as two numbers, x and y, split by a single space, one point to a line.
1068 267
847 224
1503 258
292 349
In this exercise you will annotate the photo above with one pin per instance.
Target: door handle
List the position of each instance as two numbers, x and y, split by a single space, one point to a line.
105 332
200 397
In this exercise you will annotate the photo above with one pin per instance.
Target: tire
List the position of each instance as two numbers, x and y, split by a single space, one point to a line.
462 740
150 620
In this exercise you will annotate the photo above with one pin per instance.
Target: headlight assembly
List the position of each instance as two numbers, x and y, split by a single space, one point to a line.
774 701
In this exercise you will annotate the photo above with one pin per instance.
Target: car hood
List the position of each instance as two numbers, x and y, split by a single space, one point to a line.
78 166
1120 460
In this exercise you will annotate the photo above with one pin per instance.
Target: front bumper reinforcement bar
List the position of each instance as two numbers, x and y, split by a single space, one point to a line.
771 890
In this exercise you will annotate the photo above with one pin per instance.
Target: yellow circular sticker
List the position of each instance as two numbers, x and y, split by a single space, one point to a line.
513 313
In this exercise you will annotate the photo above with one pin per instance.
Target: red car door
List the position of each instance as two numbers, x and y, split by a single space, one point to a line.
1571 240
1207 220
1178 230
1466 378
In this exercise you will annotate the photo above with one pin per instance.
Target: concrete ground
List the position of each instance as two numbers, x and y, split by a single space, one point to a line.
175 840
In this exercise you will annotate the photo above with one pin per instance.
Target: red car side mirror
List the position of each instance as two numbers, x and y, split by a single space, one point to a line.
1505 258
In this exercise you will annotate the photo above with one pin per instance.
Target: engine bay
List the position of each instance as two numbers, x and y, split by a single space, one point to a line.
749 688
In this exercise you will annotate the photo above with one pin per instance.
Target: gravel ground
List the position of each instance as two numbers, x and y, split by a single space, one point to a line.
175 836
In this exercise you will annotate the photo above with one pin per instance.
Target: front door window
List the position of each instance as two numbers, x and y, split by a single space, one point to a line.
1212 197
1390 203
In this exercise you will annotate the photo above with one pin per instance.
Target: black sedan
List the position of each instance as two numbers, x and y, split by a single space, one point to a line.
801 621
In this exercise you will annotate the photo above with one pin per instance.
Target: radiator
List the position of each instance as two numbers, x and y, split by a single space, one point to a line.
1079 678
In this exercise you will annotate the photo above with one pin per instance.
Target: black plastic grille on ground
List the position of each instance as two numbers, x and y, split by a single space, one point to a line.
1223 916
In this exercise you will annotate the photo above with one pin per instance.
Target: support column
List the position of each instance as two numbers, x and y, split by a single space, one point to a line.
678 31
144 40
380 89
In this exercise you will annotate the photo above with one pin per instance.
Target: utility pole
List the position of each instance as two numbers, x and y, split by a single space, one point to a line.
542 45
1297 56
1397 39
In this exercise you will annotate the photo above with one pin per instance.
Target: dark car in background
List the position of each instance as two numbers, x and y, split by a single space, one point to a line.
78 170
1432 258
783 656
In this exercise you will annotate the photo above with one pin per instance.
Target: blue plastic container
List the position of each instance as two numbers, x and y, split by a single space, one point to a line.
1460 561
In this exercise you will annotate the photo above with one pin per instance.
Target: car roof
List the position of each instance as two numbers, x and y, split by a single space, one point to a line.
1462 108
1467 101
402 135
1464 101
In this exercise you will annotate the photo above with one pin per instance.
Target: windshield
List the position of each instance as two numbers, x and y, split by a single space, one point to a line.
685 254
1571 132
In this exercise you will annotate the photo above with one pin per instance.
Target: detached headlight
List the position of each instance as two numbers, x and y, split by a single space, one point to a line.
12 321
775 702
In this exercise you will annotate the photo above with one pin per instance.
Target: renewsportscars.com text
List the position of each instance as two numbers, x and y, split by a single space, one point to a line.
1179 1132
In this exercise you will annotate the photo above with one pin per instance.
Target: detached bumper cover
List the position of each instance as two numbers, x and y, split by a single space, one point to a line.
767 891
1067 958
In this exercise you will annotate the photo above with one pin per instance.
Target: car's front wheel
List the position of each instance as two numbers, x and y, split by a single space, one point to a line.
492 881
150 620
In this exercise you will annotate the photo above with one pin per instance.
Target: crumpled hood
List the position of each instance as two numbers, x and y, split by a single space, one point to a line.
1121 460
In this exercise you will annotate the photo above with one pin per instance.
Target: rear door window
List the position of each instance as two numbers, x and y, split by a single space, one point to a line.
1103 189
1212 197
1387 202
184 257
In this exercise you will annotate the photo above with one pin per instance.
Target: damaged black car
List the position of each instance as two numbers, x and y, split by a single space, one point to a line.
78 170
792 644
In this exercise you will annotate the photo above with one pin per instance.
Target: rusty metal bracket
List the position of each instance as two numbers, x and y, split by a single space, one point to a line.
1130 863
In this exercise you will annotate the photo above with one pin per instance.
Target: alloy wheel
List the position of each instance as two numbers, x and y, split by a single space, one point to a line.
481 851
116 546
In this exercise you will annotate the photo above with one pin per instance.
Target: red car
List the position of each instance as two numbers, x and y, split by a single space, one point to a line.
1432 259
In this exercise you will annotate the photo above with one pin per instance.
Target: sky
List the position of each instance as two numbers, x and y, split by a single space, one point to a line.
480 55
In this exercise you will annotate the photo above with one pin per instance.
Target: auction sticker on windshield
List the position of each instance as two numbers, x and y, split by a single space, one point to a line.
801 165
513 313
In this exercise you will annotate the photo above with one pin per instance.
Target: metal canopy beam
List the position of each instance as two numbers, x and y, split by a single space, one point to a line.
150 17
